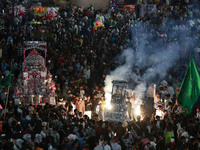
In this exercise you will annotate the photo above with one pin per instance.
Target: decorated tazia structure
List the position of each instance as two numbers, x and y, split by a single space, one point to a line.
34 83
118 109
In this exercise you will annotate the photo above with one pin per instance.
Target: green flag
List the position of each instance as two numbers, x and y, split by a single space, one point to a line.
6 82
190 87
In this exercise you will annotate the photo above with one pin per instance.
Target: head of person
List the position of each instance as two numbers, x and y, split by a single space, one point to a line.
102 98
170 105
159 107
80 114
97 142
105 141
101 138
164 88
158 96
167 96
157 118
88 98
165 113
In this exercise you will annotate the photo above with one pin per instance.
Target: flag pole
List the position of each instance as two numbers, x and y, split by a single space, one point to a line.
7 94
6 102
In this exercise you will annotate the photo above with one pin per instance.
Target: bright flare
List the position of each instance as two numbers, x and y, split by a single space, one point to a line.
137 111
108 106
108 99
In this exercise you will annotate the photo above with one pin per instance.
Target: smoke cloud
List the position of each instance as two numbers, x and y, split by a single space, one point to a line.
153 51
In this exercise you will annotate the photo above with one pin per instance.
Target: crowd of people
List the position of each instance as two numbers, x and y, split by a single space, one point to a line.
79 57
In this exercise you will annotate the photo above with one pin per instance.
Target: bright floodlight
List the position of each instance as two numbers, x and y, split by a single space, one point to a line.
108 106
137 111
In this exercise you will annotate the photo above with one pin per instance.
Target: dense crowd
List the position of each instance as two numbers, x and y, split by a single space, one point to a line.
79 57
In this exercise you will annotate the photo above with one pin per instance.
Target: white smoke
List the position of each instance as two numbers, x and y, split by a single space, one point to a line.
120 73
153 52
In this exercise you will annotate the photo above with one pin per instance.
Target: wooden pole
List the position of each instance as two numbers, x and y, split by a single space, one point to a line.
6 102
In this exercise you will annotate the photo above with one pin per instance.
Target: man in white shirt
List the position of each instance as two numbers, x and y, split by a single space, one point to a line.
159 112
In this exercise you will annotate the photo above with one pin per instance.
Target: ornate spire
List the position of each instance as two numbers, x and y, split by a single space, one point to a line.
33 52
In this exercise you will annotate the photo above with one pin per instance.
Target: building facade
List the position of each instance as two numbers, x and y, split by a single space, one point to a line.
97 4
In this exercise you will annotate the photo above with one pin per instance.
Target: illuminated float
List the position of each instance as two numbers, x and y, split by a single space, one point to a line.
117 109
34 84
